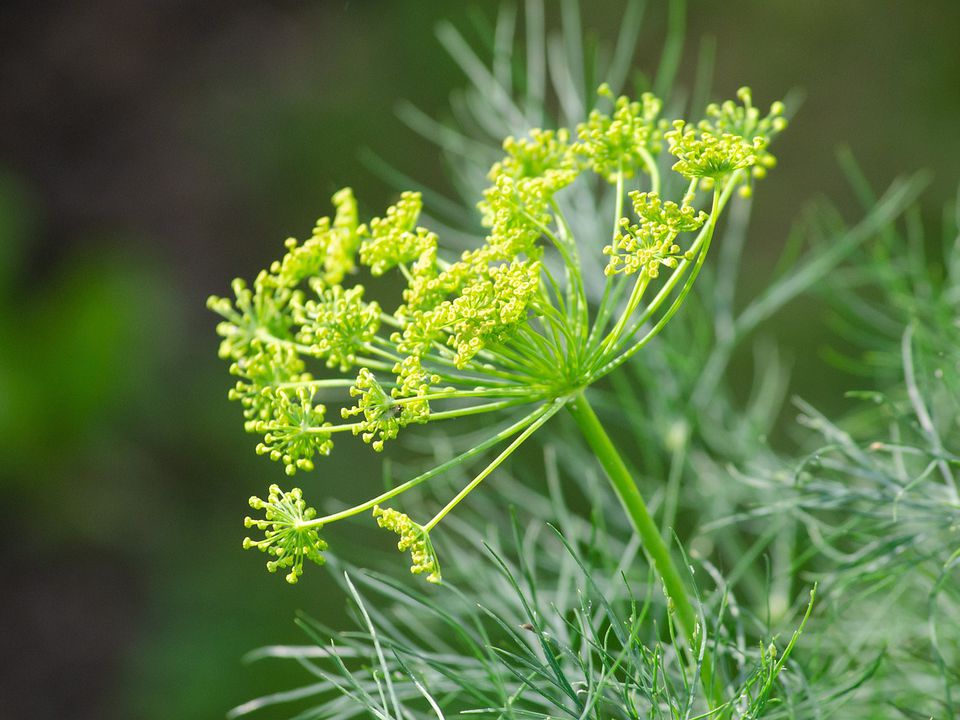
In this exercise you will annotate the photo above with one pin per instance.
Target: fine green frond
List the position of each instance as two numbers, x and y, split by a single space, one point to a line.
508 646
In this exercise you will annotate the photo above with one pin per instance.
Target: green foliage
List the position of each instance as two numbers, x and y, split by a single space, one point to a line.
550 634
875 501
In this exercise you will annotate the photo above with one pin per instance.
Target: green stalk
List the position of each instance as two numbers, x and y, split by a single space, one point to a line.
516 427
541 415
636 510
606 302
654 545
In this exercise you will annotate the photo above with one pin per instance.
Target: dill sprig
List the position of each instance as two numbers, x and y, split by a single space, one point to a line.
506 325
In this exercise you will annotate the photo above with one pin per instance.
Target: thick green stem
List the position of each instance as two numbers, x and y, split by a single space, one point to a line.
636 510
649 533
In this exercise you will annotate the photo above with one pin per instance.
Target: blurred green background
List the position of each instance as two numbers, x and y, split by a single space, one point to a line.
152 151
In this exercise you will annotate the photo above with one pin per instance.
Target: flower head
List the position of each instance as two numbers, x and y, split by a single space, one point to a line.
255 314
337 324
535 155
395 238
491 307
506 324
266 367
709 154
652 210
382 416
295 430
330 251
289 536
650 244
517 210
414 538
732 137
745 120
621 141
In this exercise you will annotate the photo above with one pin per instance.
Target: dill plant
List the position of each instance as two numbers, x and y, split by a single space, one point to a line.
556 297
855 515
866 508
506 326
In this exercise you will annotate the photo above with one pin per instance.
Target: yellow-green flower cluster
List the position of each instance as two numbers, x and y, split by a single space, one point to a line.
286 537
336 325
254 316
542 153
745 120
651 243
412 379
491 307
414 538
488 310
395 238
624 140
413 385
328 254
517 211
733 137
711 155
260 373
296 430
382 417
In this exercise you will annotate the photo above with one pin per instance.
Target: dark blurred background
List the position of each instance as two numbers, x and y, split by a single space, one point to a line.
151 151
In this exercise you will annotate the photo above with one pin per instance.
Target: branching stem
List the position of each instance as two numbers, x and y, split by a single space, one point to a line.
539 416
433 472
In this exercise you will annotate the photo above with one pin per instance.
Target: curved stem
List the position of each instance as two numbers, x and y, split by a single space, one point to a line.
704 246
322 383
577 290
479 409
636 509
494 392
606 302
653 543
636 295
651 168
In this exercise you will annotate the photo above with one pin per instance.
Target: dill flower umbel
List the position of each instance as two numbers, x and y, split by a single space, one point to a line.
503 328
414 538
291 535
